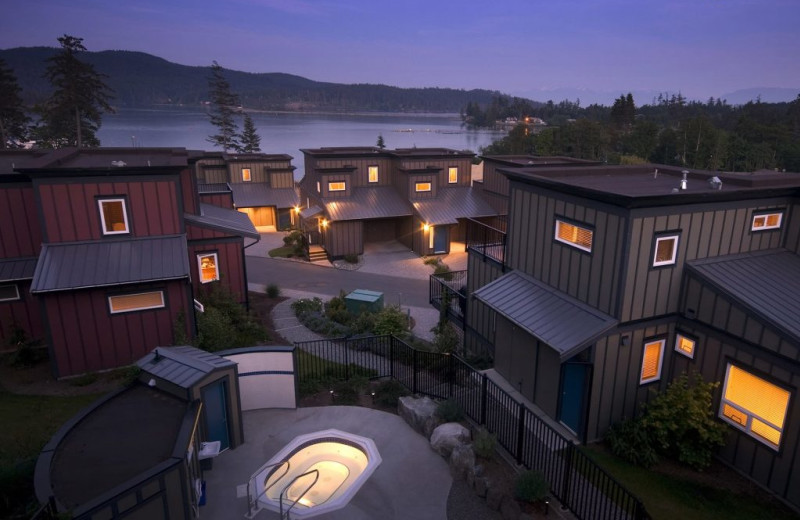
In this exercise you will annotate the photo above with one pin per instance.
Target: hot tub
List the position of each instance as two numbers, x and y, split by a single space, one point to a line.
313 474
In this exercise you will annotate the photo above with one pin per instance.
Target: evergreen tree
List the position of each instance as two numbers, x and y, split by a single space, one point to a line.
380 144
223 108
250 140
72 114
13 120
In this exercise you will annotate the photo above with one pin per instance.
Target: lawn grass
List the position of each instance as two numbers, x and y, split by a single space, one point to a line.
281 252
28 423
668 497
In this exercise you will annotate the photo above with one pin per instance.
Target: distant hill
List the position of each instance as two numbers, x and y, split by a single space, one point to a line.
139 79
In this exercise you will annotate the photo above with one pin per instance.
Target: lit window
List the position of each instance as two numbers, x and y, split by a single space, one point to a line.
666 251
373 174
336 186
766 221
422 186
318 190
207 266
9 293
113 215
754 405
136 302
246 177
685 345
651 361
574 235
430 237
452 175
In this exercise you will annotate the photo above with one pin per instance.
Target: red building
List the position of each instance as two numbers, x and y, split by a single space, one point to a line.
102 252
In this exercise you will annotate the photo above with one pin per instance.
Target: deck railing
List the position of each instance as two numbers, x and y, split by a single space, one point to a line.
486 240
450 290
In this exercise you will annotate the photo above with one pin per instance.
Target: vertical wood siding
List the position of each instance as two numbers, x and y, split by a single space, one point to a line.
223 200
493 180
345 237
188 194
281 180
336 177
463 164
20 227
414 179
480 272
231 268
792 235
360 177
24 313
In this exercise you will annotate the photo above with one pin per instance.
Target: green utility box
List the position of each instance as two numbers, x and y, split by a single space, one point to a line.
363 300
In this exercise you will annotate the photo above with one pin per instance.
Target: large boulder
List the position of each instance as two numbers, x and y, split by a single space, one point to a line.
419 413
462 460
447 436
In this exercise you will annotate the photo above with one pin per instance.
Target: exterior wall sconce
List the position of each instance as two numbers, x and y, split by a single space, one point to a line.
425 227
324 223
297 209
625 340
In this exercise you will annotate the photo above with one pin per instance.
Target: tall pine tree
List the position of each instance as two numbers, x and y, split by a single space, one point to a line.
13 120
224 104
73 113
250 140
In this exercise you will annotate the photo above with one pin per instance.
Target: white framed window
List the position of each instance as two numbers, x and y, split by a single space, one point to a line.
318 188
452 174
764 221
666 250
337 186
573 235
246 176
113 216
422 186
651 361
372 174
9 292
754 405
136 302
207 266
685 345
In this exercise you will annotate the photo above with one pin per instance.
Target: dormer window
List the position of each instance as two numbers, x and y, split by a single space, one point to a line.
573 235
764 221
372 174
337 186
452 175
420 187
113 216
246 176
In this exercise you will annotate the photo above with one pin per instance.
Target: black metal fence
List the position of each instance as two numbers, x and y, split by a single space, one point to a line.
450 289
578 483
486 240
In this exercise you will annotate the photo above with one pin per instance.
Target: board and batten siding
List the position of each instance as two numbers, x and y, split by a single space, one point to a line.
281 179
24 313
463 164
707 231
20 232
71 212
189 195
260 172
360 177
230 265
792 234
336 177
593 278
344 237
413 194
222 200
481 318
493 180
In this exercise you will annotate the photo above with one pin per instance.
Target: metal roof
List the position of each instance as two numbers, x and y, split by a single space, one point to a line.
310 211
224 219
13 269
451 204
766 283
255 195
213 187
367 203
80 265
183 366
555 318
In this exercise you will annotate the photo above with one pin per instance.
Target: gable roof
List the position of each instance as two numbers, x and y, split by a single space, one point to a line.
454 203
224 219
14 269
81 265
258 194
183 366
766 283
555 318
368 202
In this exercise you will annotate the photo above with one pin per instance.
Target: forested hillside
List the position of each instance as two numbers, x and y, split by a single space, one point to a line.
140 79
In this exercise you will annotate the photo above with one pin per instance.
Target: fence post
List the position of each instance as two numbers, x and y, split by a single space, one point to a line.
484 397
414 370
520 432
450 374
346 360
565 499
391 357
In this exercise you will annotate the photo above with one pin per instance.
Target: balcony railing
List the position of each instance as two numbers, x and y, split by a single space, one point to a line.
450 289
486 240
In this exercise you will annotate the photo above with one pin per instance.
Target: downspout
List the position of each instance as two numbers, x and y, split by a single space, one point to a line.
244 271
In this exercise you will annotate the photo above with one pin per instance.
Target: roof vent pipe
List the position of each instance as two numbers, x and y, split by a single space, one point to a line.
684 181
655 174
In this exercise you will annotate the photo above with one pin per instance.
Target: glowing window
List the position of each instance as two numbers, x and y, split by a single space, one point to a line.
372 174
685 345
9 293
766 221
651 361
422 186
318 190
246 177
136 302
754 406
452 175
113 215
207 266
666 251
574 235
337 186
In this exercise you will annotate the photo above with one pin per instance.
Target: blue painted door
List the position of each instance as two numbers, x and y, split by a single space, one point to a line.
215 399
572 405
440 239
284 219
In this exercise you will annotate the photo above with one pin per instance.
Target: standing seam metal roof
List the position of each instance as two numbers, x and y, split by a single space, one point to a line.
451 204
258 194
183 366
14 269
368 203
557 319
224 219
766 283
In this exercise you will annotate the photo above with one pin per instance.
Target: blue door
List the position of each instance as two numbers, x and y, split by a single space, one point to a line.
440 239
215 399
574 382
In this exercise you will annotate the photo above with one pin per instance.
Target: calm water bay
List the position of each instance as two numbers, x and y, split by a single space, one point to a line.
288 133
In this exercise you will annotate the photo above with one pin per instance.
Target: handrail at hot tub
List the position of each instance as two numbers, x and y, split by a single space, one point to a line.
250 500
316 478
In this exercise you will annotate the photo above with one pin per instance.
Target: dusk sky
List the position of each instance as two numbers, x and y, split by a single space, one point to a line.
701 48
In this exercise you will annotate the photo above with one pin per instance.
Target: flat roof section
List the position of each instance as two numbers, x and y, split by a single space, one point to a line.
104 159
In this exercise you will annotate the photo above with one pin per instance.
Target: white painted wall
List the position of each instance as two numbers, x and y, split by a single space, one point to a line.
266 379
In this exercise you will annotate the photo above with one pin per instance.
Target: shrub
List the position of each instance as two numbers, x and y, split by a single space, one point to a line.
449 411
348 392
295 240
391 320
306 305
484 443
443 270
363 323
388 392
273 291
351 258
336 310
225 322
629 440
431 260
531 486
445 338
26 353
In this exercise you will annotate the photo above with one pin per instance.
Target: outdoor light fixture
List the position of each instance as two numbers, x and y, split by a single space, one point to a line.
324 223
151 383
425 227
